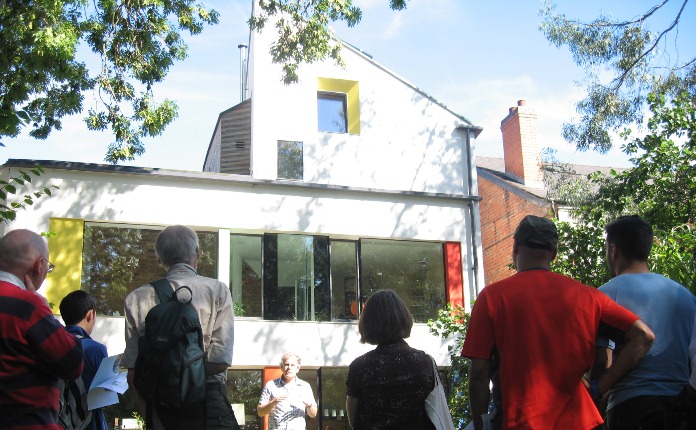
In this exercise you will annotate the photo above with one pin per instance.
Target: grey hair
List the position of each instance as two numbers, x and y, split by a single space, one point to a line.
288 355
177 244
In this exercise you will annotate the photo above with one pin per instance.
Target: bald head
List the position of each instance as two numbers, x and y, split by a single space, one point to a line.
22 252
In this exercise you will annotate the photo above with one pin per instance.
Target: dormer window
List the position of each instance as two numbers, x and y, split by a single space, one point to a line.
331 110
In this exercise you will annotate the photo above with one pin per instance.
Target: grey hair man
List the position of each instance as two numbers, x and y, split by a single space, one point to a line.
287 399
178 251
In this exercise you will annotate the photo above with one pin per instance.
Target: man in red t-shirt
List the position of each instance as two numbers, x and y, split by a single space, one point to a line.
542 326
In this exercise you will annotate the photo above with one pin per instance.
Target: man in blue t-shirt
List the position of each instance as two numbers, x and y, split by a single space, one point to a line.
646 396
79 312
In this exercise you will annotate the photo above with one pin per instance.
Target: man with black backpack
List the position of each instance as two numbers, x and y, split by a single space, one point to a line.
179 338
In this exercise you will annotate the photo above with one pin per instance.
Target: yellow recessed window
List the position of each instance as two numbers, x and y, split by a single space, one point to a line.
338 106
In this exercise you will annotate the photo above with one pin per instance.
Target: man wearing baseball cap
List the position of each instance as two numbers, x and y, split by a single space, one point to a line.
542 327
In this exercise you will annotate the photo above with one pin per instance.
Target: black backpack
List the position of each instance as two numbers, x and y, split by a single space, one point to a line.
170 367
72 406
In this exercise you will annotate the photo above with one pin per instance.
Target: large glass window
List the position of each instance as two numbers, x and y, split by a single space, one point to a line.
331 110
290 160
118 259
415 270
344 281
244 389
245 274
296 277
274 276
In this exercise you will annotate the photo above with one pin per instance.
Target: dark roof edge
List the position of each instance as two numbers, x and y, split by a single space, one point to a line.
223 177
485 173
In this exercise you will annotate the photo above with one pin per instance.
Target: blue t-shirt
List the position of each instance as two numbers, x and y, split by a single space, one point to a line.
94 352
668 309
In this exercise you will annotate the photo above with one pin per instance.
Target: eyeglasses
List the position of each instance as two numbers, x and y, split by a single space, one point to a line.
51 266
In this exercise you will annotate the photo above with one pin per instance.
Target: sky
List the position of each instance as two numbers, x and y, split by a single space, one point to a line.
478 58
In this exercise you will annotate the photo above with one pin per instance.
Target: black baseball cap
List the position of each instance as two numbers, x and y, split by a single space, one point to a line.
537 232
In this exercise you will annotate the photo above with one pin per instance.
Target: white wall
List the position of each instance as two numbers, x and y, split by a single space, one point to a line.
407 141
221 202
261 343
162 198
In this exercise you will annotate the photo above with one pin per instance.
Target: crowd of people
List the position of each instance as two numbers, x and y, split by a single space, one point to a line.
546 351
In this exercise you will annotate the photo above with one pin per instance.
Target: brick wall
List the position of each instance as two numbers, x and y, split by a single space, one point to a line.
501 212
521 145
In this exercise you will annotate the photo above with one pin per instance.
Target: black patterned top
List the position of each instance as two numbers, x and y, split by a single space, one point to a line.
391 383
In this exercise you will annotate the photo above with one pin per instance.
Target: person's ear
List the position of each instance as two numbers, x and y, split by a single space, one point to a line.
91 315
36 267
614 251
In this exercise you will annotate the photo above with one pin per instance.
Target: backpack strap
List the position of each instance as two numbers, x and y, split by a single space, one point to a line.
164 289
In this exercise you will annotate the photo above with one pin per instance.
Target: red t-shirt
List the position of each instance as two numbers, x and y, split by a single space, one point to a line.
544 327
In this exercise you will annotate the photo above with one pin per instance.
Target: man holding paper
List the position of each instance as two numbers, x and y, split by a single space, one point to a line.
79 312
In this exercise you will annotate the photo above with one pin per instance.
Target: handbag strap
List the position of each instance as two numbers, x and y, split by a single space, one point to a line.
437 372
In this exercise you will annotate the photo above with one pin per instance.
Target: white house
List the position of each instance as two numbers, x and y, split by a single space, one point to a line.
313 196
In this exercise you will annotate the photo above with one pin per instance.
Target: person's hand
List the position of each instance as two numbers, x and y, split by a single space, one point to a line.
30 287
29 284
280 399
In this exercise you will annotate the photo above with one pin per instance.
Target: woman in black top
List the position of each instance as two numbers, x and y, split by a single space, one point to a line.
386 388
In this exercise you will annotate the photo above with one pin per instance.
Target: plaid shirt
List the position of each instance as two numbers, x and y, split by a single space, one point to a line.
290 413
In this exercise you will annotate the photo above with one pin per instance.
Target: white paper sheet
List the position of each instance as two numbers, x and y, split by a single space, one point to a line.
108 383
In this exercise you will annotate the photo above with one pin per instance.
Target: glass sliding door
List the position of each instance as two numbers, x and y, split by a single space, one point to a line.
245 274
296 277
344 281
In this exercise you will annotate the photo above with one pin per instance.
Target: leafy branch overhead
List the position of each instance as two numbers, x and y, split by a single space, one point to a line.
42 80
13 186
638 62
303 34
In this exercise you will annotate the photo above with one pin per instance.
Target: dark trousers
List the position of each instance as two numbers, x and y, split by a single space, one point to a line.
643 413
215 414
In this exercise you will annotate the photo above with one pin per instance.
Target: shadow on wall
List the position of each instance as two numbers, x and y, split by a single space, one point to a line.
420 152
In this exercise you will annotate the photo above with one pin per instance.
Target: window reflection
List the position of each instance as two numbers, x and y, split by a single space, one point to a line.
296 278
415 270
331 109
290 160
245 275
116 260
344 282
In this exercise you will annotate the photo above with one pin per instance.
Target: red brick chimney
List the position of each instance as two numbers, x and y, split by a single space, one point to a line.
521 145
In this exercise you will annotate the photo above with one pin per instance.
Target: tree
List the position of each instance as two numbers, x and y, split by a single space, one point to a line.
660 187
42 80
453 322
637 66
303 30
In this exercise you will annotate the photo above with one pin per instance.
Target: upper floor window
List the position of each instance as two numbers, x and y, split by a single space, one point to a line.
338 105
290 160
331 111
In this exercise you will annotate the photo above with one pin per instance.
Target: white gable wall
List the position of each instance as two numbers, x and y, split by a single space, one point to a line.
406 141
